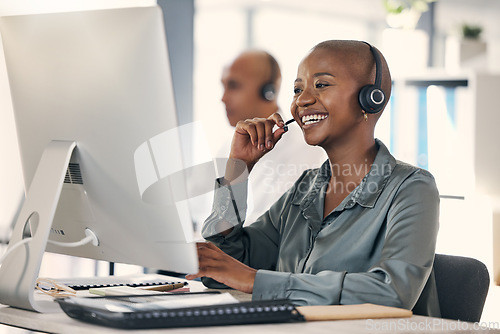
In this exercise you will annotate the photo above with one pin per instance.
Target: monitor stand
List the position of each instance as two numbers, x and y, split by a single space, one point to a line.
19 270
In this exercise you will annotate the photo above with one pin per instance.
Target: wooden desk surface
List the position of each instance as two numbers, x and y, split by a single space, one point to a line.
60 323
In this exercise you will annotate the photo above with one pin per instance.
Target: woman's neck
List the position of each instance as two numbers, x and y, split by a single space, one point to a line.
350 164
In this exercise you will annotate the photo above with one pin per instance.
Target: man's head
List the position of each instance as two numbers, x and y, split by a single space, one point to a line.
244 81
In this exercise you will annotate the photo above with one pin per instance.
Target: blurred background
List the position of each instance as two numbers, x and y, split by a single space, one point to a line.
443 116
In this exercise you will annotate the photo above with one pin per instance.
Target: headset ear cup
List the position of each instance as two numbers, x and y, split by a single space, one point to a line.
371 99
363 97
268 92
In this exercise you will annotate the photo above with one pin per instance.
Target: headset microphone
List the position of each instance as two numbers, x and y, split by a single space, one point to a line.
372 97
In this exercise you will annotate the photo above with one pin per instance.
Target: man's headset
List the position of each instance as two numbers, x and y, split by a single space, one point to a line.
268 89
372 97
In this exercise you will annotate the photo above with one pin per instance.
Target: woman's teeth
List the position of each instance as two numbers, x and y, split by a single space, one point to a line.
311 119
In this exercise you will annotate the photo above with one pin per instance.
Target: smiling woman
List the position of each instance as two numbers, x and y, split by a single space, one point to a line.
348 232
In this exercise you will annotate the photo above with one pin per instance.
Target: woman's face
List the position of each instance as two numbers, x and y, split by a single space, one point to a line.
325 102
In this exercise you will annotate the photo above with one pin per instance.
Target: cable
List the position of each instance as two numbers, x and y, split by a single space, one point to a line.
11 249
82 242
90 238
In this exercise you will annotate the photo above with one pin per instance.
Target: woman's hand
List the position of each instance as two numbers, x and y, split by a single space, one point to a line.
223 268
255 137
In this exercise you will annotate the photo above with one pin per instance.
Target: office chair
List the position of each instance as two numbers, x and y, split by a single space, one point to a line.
462 285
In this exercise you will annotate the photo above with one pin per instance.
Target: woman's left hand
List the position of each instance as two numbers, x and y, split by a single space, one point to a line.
223 268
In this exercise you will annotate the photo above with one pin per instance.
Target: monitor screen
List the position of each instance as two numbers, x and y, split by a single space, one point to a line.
93 100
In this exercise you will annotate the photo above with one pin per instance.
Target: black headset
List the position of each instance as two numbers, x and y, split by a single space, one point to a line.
268 89
372 97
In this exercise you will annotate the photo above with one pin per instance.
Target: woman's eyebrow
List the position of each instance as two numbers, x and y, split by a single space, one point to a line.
320 74
315 75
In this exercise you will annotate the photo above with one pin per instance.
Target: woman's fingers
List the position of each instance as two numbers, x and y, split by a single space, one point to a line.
210 256
256 130
278 120
209 245
204 256
260 126
253 138
246 128
260 131
216 264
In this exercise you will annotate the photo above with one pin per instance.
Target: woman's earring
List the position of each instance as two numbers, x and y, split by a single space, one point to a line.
365 116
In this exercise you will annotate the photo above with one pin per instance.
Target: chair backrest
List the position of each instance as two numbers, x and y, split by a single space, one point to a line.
462 285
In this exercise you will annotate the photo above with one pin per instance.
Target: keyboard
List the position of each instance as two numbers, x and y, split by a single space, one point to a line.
139 280
255 312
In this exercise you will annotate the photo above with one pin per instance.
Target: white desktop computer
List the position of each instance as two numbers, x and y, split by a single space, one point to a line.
97 130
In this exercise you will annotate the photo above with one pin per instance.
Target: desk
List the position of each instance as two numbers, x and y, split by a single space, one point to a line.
60 323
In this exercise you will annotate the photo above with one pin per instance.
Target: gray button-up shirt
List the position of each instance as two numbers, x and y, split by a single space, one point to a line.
376 247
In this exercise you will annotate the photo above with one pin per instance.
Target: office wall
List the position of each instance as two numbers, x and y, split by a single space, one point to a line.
179 25
450 14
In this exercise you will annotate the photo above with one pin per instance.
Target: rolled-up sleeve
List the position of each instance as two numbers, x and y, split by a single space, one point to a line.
228 209
323 288
256 245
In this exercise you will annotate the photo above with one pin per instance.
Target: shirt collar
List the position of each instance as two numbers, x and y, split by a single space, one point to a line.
366 193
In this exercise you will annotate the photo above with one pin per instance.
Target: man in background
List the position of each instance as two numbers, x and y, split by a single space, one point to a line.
251 86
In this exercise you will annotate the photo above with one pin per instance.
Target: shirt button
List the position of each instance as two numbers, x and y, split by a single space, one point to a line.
223 207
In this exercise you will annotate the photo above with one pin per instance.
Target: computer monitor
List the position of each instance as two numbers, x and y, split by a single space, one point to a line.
99 144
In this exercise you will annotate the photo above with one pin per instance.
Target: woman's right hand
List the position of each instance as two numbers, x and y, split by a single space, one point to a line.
253 138
216 264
